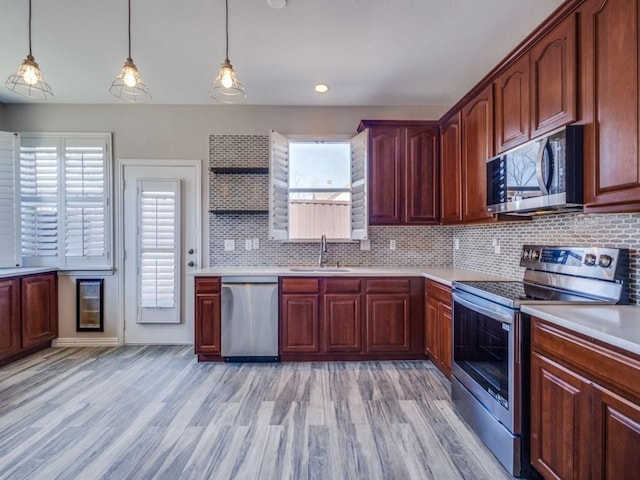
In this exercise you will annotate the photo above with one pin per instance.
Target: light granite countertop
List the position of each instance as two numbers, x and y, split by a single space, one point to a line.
617 325
442 275
20 271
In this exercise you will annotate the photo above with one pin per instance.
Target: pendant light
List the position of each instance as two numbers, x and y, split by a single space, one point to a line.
28 79
128 85
226 88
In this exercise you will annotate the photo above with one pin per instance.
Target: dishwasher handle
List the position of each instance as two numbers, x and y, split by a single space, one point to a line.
249 279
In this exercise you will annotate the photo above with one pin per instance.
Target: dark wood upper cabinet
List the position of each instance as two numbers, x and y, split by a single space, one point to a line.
554 88
512 105
477 147
610 84
450 170
385 175
403 172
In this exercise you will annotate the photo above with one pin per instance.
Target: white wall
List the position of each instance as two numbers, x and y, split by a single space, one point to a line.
179 132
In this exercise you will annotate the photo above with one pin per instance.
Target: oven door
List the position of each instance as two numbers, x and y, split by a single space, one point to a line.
485 339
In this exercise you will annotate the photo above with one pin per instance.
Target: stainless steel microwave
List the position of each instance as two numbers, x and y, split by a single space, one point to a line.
541 176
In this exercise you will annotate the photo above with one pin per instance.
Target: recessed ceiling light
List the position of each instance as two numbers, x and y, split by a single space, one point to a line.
277 3
321 88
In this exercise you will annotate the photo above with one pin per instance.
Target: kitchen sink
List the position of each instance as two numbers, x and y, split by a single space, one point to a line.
318 269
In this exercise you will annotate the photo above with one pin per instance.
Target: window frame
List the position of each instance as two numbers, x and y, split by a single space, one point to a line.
279 189
61 260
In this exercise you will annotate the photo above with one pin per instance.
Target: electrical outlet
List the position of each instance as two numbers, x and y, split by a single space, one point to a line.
456 244
365 244
248 244
256 243
496 245
392 244
229 245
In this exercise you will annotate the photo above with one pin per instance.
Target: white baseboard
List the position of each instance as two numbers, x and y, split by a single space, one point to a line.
85 342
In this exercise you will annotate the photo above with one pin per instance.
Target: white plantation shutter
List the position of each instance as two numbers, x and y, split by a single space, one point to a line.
85 200
159 251
39 200
359 203
279 187
9 201
65 210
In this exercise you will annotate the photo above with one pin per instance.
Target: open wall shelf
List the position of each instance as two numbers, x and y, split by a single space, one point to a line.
240 170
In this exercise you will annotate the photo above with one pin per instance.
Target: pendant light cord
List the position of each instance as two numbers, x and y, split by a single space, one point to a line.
227 28
30 54
129 31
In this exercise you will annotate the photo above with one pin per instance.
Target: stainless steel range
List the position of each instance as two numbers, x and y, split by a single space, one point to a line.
490 384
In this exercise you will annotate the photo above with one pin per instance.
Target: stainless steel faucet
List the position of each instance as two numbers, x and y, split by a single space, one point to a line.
324 253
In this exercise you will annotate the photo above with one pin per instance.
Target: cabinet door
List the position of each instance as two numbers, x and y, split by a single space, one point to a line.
421 175
554 79
445 326
9 317
432 331
39 309
616 435
451 171
299 330
342 323
385 176
477 147
387 322
610 86
208 317
560 420
512 106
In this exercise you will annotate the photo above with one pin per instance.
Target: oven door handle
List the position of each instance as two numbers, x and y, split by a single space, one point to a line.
491 313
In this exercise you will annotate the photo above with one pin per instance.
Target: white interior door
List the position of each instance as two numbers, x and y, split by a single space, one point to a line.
160 237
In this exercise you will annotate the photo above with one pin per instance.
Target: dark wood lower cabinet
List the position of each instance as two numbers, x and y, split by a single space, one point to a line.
585 406
9 317
342 322
347 318
208 318
299 327
438 325
39 309
388 322
28 314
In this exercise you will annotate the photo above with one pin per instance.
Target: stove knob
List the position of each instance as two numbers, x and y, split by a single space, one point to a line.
535 254
605 261
589 259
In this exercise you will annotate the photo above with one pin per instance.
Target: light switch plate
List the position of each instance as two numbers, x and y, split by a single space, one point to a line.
456 244
365 245
229 245
392 244
248 244
256 243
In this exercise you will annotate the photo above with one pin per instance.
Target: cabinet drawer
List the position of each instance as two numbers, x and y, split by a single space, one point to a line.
207 285
386 285
437 291
300 285
343 285
605 365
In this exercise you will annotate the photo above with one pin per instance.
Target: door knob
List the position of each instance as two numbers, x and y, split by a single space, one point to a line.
192 264
190 252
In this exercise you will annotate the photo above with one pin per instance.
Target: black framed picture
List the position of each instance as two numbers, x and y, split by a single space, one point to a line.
89 305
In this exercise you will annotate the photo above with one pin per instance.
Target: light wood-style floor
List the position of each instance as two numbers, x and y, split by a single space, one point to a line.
154 412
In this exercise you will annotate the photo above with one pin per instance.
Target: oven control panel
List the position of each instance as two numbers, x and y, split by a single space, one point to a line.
591 262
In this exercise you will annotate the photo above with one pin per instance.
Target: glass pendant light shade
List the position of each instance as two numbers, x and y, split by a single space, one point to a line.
128 84
226 88
28 79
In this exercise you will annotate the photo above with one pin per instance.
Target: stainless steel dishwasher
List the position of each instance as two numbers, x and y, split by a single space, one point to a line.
249 319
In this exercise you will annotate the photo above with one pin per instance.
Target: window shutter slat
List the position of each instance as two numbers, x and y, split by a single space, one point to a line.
9 201
359 203
278 191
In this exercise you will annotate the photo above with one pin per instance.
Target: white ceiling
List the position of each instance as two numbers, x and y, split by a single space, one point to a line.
370 52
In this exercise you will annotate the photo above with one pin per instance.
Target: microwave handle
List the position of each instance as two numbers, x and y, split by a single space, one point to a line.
544 183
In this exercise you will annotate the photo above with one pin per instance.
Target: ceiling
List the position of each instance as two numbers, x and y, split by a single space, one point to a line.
370 52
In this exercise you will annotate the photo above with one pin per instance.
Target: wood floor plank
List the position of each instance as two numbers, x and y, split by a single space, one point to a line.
154 412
